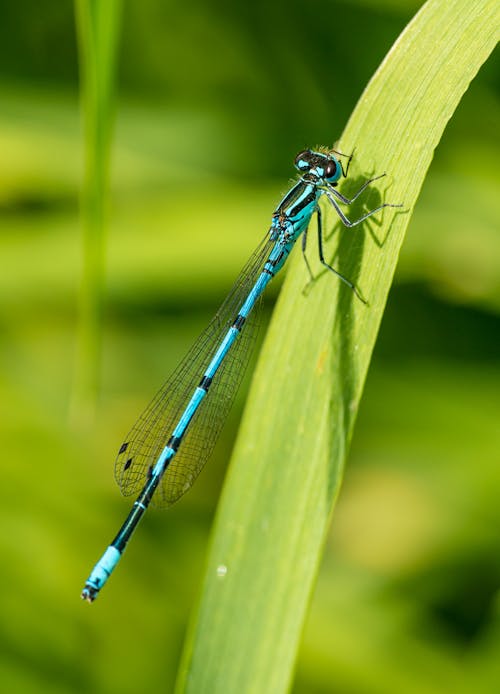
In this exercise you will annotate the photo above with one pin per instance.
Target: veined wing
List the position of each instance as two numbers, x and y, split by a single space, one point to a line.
147 438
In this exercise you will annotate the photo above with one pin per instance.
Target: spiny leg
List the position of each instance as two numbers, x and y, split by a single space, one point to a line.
349 201
349 159
304 243
329 267
348 222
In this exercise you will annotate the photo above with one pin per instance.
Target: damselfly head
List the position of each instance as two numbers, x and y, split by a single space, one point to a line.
319 165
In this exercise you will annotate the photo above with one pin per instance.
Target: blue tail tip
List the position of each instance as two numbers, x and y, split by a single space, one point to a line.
89 593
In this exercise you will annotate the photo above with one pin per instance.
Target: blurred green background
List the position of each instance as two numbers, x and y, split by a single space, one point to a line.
215 99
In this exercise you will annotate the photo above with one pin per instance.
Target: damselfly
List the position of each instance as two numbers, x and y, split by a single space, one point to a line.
173 438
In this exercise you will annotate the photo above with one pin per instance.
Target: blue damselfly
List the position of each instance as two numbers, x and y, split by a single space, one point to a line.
167 447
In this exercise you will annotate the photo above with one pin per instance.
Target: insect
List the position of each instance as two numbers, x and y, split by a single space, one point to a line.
167 447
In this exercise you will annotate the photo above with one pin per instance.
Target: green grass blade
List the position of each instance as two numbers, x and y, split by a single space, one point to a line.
98 29
281 486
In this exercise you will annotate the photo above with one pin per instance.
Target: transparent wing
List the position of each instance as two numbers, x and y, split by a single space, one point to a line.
150 434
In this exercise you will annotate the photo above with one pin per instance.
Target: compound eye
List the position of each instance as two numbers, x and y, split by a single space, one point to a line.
332 170
302 160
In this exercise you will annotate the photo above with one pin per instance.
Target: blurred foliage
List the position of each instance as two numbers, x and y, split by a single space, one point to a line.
98 29
216 98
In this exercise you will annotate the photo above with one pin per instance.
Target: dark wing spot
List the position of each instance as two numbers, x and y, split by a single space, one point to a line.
127 464
123 448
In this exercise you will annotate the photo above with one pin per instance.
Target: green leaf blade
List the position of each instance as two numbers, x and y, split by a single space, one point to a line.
281 487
